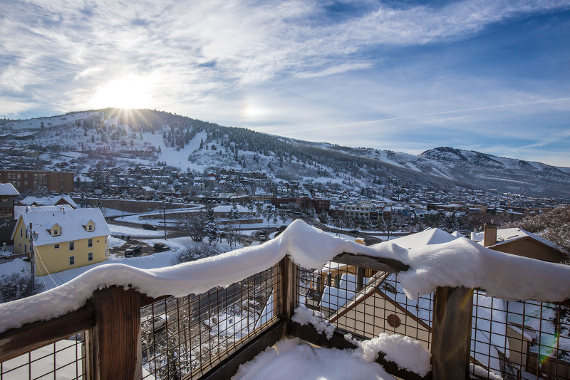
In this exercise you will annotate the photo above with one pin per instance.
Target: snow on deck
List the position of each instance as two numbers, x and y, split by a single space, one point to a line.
460 262
291 359
294 359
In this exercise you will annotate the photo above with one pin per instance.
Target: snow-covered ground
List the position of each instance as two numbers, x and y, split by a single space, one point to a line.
62 360
109 212
115 242
14 266
134 232
293 359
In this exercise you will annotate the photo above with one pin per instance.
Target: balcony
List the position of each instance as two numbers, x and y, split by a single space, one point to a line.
204 319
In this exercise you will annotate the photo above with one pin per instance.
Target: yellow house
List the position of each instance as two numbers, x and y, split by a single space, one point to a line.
61 239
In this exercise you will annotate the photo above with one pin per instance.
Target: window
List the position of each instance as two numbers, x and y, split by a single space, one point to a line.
56 246
90 256
71 260
71 246
90 241
90 227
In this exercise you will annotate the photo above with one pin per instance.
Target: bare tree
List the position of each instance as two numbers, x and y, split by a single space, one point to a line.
195 225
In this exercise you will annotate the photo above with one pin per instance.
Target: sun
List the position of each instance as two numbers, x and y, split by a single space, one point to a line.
127 92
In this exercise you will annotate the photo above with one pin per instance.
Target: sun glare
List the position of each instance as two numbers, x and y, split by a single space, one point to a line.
252 110
128 92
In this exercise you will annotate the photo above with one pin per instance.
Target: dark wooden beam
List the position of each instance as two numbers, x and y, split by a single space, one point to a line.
377 263
114 343
309 334
451 332
16 342
563 303
229 367
146 300
287 288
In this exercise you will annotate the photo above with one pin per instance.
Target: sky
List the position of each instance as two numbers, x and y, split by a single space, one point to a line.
486 75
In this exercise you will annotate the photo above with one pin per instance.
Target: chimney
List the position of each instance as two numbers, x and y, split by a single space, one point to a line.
490 235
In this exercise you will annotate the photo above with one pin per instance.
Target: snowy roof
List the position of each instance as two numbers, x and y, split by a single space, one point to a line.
70 221
507 235
19 210
8 189
48 201
426 237
228 208
334 298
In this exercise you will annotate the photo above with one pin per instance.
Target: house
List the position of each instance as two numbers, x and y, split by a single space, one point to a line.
7 195
361 209
53 200
38 180
62 239
500 340
348 309
517 241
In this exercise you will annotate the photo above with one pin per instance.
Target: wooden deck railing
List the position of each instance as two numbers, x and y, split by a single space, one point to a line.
111 321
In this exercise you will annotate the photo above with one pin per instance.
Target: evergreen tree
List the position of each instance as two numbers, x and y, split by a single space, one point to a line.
211 225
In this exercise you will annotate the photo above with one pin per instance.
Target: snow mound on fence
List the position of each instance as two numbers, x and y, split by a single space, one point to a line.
304 316
463 262
406 352
459 262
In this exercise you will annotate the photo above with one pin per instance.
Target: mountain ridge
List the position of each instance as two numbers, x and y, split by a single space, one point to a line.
192 144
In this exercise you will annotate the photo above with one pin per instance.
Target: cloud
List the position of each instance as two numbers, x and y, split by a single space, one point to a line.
306 71
88 72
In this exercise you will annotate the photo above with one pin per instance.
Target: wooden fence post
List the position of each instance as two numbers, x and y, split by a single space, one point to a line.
114 343
288 288
451 333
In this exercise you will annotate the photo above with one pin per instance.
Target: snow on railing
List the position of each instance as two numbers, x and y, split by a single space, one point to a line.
460 262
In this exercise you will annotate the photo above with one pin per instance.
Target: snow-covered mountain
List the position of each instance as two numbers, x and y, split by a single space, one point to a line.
153 137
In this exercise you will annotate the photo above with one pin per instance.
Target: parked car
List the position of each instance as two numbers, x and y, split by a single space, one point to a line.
129 252
160 247
148 226
137 249
149 323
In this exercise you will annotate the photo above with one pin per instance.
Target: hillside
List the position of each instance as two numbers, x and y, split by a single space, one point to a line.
149 137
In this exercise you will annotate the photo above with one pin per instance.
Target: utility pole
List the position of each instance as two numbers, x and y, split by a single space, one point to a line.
32 260
164 217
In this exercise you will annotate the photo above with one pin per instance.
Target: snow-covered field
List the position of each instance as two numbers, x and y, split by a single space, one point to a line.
134 232
14 266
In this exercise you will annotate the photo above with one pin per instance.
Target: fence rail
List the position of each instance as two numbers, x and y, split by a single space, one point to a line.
124 334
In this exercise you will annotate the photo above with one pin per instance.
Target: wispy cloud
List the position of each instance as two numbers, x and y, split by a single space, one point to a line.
307 69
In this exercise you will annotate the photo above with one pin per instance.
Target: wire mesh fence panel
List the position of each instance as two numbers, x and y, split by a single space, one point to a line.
188 336
64 359
365 302
519 339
